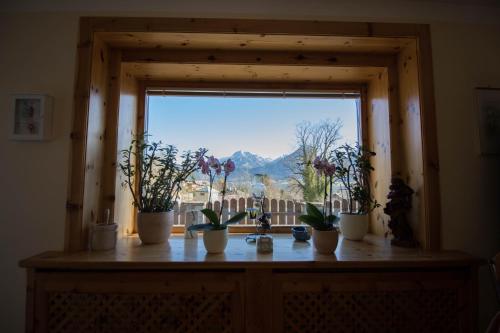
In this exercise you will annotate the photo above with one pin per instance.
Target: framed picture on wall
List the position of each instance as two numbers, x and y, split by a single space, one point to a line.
31 117
488 106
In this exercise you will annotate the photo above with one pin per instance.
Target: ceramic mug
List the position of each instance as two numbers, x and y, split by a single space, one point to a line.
301 234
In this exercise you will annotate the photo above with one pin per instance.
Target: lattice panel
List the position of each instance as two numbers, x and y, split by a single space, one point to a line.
139 313
425 311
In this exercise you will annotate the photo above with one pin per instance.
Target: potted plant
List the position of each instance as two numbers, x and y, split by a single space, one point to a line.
155 178
353 170
215 231
325 232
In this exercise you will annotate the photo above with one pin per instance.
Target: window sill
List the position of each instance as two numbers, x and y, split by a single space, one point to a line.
180 253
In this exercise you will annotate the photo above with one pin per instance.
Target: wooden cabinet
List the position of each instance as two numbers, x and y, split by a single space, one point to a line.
138 302
134 289
371 302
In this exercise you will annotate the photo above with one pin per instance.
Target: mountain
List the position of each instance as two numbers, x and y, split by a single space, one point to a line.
248 164
247 160
278 169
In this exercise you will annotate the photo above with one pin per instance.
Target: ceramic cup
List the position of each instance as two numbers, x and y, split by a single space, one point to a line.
301 234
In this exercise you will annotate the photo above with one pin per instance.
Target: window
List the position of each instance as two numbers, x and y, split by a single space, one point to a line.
269 136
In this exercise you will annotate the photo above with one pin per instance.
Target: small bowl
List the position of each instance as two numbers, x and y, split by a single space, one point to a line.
300 234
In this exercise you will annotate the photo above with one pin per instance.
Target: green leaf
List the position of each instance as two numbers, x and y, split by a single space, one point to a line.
331 219
314 222
236 218
314 211
218 227
211 216
196 227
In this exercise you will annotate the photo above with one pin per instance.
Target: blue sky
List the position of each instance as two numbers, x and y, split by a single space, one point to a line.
224 125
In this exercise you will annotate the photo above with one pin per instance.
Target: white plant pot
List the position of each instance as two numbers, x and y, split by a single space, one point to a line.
215 241
155 228
353 226
325 242
103 237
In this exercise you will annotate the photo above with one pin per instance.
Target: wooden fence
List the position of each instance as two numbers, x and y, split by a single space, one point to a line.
283 212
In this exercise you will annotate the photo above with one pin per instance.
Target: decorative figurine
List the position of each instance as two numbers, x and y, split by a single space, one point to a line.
397 208
264 225
264 220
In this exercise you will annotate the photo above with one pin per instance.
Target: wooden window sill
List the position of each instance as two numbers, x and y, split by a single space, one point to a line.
180 253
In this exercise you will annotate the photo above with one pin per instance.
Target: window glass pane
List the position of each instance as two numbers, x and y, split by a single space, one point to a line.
266 137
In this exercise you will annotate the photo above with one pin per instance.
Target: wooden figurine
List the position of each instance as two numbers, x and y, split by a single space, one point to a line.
397 208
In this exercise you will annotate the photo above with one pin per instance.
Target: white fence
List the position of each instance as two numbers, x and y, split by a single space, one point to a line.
283 212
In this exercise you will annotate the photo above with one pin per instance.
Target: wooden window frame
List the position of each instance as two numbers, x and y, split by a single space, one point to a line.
88 135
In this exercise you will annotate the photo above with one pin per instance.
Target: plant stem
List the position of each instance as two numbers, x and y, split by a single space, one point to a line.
331 186
129 172
211 181
223 195
324 198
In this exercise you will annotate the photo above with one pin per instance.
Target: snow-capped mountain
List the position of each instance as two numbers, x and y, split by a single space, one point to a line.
249 164
278 169
247 160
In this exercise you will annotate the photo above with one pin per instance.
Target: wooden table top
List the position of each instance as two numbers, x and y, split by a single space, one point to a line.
180 253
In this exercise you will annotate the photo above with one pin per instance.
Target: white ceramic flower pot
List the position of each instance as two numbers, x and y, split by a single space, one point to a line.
215 241
155 228
325 242
353 226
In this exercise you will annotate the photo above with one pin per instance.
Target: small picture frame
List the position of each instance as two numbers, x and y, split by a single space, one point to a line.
31 118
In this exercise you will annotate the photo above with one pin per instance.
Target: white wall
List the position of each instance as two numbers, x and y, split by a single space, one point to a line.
37 54
466 57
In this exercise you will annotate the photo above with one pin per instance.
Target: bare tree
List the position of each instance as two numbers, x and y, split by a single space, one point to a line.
318 139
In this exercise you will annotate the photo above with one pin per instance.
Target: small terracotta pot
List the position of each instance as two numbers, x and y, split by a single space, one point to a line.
215 241
353 226
325 242
155 228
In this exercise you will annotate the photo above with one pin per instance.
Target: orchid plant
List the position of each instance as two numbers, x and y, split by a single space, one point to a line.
322 220
212 167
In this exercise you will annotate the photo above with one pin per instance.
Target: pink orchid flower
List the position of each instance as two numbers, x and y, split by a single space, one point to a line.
329 170
205 169
229 166
323 167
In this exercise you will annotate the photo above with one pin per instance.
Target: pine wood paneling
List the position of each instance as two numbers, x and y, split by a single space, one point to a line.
74 205
94 156
254 73
410 129
432 200
127 128
179 253
375 40
379 138
290 41
304 57
111 133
